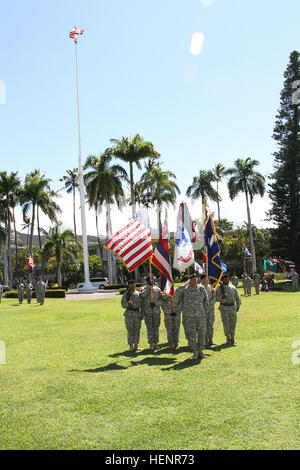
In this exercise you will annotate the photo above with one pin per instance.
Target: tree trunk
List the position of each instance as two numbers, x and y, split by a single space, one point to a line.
16 241
132 189
8 248
112 276
74 216
31 231
5 260
159 227
38 227
98 236
252 248
59 278
218 203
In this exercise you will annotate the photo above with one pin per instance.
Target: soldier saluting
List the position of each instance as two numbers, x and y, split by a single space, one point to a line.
230 303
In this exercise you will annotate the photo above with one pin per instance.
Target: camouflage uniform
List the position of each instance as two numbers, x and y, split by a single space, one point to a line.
248 285
195 307
235 281
40 290
172 322
21 292
151 313
228 308
295 280
256 279
28 289
133 316
244 276
178 300
1 292
210 319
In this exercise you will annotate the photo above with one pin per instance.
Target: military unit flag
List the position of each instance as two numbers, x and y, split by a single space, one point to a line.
213 260
162 261
247 253
132 243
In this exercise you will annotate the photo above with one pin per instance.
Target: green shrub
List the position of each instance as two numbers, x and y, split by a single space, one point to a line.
53 293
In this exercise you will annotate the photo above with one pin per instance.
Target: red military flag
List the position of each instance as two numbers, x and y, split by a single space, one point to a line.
132 243
162 260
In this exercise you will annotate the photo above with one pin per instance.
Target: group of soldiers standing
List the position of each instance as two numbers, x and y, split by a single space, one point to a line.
193 305
26 288
247 282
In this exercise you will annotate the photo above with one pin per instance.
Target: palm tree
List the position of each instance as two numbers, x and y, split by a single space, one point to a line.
38 195
202 187
244 179
61 244
71 183
104 186
158 187
219 171
9 188
133 151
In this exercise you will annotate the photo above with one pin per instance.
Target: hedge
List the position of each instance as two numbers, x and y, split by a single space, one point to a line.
118 286
53 293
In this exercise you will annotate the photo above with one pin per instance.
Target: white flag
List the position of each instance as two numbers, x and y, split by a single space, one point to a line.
183 253
198 269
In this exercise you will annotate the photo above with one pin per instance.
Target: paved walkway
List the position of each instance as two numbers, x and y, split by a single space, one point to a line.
94 296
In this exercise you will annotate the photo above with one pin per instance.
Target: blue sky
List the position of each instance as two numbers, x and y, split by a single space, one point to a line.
137 75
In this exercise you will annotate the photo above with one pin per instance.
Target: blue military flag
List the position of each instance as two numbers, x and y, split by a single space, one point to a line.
213 261
247 253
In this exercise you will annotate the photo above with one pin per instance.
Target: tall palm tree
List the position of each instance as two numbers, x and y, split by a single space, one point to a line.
104 187
219 172
244 179
201 187
71 181
133 151
159 188
61 244
9 188
38 195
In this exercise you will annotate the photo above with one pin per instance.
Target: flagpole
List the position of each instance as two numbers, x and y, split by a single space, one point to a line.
87 285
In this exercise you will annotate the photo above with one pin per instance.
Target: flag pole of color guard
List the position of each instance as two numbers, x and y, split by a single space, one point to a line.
162 260
132 243
213 260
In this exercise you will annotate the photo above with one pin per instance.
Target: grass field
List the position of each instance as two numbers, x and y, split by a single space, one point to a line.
68 382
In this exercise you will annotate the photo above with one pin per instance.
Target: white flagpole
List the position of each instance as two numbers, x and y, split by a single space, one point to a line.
88 287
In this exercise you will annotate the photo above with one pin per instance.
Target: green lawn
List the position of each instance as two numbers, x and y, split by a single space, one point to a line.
68 382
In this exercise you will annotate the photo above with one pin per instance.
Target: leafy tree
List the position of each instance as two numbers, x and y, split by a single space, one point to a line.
61 244
159 188
219 172
9 192
201 187
38 194
132 152
71 183
244 179
285 186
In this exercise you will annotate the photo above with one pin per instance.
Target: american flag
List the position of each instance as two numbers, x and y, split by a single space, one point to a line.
75 32
161 259
132 243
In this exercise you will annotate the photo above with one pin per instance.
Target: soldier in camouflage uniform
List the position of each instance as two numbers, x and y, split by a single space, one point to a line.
230 303
20 292
172 320
28 290
235 280
178 300
244 276
210 318
195 307
40 290
133 318
248 284
1 292
256 280
151 297
295 280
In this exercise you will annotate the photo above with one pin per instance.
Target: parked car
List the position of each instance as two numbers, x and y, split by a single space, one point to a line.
99 282
5 288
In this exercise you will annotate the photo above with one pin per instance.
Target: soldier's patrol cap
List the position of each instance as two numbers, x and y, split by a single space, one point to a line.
185 278
131 281
224 275
148 277
203 276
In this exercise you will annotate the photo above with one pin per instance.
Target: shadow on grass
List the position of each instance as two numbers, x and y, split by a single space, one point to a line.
184 364
221 346
109 367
